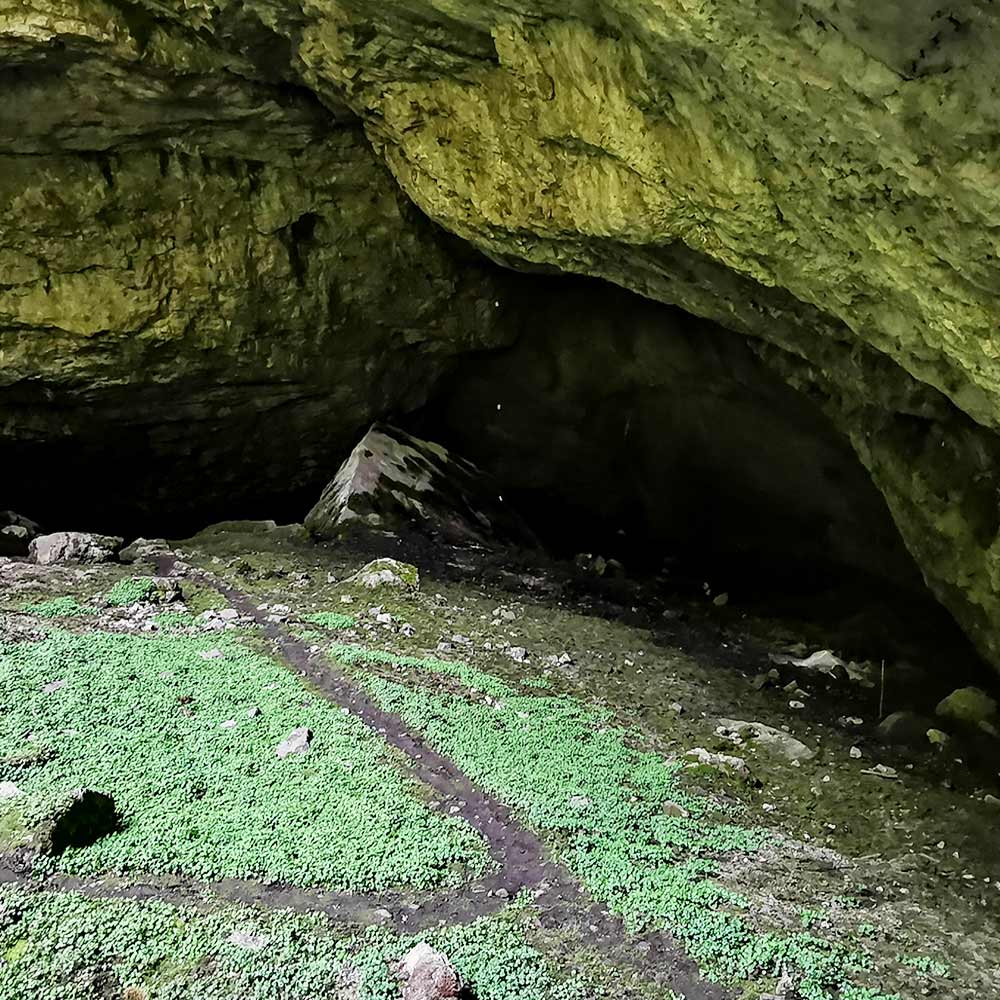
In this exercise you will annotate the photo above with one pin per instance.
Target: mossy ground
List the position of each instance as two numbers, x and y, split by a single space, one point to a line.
885 886
181 729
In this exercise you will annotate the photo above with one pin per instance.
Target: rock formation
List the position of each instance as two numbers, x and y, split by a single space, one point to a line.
201 257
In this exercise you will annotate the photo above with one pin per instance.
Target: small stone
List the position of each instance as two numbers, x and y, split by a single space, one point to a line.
228 724
990 800
406 629
518 654
384 618
501 893
675 810
676 707
229 614
937 737
796 704
54 686
211 654
881 771
254 713
298 741
249 941
722 761
855 753
579 802
8 790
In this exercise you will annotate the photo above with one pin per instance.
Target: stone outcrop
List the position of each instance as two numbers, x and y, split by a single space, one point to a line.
393 482
200 225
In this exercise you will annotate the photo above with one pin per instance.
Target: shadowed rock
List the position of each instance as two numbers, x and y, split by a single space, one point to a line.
393 482
79 820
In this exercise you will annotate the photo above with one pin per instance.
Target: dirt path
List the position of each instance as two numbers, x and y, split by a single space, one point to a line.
521 858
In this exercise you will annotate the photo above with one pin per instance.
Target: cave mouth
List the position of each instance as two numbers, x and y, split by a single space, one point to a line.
616 427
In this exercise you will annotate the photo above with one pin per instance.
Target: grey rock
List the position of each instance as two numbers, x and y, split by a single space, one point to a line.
144 549
968 706
771 739
248 940
298 741
8 790
388 573
73 546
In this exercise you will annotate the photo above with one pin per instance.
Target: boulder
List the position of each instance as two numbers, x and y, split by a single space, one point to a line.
394 482
905 729
16 533
143 549
427 974
969 706
386 573
759 734
297 742
73 547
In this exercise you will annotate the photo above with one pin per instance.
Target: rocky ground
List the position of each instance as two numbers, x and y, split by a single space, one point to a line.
300 768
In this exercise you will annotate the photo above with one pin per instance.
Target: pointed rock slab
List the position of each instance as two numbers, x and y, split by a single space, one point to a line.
73 547
428 975
394 482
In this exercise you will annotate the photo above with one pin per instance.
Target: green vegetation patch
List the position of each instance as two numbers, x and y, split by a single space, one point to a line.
329 619
58 607
614 815
182 731
131 590
75 948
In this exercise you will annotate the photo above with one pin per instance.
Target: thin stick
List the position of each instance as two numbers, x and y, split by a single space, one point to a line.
881 694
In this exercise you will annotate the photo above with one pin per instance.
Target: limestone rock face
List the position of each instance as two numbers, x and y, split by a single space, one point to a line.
199 224
200 263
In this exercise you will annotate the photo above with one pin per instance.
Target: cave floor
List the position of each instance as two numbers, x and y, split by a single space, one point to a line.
522 767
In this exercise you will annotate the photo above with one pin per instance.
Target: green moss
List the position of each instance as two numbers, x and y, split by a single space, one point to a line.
329 619
577 778
142 718
58 943
925 965
58 607
131 590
